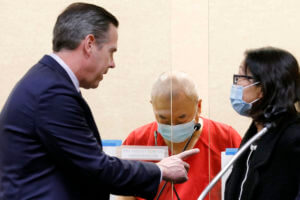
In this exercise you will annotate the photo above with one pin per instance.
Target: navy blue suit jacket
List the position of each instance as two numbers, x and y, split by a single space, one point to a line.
50 148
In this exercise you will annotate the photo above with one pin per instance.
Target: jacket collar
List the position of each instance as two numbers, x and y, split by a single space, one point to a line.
267 143
51 63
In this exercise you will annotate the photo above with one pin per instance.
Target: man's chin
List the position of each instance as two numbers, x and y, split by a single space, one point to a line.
94 86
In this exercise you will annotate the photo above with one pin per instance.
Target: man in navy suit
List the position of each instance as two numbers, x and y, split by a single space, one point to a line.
50 147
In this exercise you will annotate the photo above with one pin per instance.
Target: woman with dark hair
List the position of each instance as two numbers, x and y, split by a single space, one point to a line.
267 89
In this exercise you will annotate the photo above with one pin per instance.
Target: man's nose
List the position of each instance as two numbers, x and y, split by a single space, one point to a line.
112 64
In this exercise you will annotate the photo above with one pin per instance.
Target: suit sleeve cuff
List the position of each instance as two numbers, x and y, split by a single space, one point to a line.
161 173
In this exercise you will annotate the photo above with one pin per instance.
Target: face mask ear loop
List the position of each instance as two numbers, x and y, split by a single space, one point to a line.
251 84
254 100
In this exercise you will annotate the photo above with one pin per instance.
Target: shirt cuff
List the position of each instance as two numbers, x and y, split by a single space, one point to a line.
161 173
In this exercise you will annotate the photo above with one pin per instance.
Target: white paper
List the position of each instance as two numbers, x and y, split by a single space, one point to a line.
144 152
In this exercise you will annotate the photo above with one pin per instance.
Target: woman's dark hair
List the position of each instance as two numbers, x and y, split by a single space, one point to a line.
278 73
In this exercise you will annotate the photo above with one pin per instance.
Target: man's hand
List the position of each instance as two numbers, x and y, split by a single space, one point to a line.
174 169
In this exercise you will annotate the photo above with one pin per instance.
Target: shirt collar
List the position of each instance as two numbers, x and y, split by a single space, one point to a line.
67 69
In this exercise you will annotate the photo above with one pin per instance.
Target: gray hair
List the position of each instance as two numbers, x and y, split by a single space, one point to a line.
172 84
77 21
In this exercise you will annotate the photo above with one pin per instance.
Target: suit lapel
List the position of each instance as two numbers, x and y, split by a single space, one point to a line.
91 121
51 63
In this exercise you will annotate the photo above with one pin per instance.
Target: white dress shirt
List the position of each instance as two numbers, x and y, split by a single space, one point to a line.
67 69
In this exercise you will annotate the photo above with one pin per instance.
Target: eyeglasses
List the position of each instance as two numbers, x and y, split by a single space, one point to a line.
236 77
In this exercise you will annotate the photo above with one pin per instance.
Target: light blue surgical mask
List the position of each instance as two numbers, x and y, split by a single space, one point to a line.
237 102
176 133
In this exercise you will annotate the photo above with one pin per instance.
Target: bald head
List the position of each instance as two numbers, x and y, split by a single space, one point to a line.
174 84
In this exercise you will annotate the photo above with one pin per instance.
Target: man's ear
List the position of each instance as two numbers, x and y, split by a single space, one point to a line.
199 106
88 44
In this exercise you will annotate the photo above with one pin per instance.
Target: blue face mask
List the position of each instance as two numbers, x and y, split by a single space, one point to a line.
176 133
237 102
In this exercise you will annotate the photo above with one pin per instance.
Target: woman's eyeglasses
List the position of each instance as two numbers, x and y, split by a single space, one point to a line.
236 77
